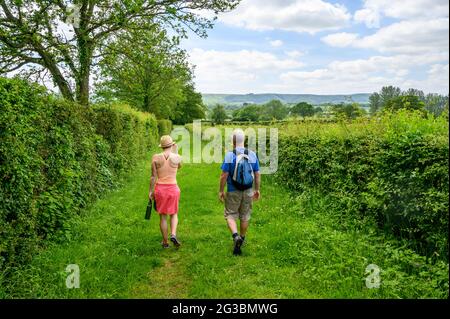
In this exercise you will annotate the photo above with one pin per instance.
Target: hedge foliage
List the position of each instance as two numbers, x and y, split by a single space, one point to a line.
164 127
55 158
392 171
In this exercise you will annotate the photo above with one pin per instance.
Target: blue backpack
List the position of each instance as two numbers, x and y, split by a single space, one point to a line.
243 171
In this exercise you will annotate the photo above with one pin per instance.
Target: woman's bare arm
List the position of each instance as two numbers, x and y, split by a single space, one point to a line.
153 179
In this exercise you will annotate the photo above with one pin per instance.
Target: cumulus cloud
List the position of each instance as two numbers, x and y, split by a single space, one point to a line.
408 37
342 39
437 80
411 49
373 10
276 43
237 71
290 15
294 53
370 17
418 40
368 75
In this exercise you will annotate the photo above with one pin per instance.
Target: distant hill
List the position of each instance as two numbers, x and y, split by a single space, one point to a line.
239 99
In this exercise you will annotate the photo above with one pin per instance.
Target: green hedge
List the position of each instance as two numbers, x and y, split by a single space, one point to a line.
55 158
129 133
392 171
164 127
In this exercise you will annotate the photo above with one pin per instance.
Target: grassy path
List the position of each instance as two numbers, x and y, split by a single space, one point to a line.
293 250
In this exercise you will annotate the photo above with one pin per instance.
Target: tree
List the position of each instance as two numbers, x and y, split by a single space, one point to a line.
388 93
147 70
318 111
408 102
274 110
415 92
189 109
375 103
445 110
435 103
32 41
247 113
348 111
218 114
303 109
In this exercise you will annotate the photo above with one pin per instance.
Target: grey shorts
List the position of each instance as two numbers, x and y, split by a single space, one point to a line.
238 205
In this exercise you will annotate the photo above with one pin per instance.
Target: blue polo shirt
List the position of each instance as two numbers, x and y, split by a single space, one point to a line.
229 164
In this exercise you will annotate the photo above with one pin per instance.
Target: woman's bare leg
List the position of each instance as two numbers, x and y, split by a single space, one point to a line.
173 224
163 227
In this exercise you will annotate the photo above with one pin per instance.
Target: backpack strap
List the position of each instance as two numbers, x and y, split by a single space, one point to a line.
245 151
238 159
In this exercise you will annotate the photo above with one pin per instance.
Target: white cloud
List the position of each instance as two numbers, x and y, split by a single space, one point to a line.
370 17
369 75
237 71
437 80
405 37
276 43
416 36
438 70
419 40
290 15
413 50
294 53
373 10
342 39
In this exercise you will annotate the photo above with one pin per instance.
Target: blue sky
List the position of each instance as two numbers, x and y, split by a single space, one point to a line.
324 47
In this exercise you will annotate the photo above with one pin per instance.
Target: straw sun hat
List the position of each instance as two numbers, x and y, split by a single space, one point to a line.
166 141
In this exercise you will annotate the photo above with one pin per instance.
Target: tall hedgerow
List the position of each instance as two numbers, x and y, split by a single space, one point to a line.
391 170
164 127
55 158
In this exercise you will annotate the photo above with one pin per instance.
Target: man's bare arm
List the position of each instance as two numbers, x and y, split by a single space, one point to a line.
223 181
257 194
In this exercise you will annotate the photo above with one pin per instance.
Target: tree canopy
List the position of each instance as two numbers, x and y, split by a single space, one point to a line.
65 40
408 102
147 70
274 109
348 111
392 98
218 114
305 109
190 108
248 113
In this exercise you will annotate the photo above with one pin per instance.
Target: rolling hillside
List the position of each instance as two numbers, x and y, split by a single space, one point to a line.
239 99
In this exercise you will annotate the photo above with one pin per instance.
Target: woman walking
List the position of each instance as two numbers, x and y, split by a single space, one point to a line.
166 193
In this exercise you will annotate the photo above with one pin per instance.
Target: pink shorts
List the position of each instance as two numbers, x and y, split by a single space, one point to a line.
167 197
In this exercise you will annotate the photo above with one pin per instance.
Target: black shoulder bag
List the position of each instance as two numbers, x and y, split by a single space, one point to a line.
148 212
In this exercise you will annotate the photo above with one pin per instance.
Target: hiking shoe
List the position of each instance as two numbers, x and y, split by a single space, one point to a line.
237 245
175 241
165 245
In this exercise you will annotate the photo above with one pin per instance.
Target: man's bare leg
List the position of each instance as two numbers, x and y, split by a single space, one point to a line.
244 227
232 225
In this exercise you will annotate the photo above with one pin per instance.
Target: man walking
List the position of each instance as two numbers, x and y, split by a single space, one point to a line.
240 171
